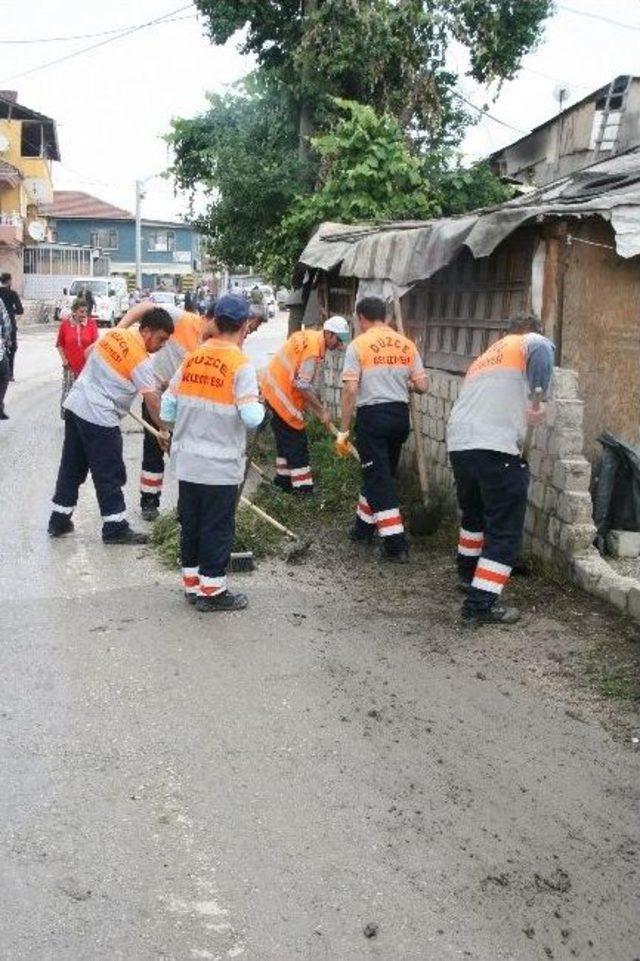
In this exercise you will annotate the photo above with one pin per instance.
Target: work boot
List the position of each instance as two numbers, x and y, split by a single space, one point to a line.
4 415
463 586
282 483
127 536
398 556
150 506
190 598
222 602
59 525
492 615
360 536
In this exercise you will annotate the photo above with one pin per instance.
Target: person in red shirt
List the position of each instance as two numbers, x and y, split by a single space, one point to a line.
76 335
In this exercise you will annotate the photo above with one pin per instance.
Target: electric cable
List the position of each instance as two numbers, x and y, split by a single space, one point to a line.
94 46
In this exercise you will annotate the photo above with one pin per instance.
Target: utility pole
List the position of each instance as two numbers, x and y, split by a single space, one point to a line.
139 198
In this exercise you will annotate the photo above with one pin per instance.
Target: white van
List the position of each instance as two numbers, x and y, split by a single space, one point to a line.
109 293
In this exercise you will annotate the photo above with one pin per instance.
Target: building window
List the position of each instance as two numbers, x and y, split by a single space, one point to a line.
31 139
105 239
161 241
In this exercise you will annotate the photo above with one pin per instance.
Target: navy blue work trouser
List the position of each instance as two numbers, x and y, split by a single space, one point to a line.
207 520
381 430
293 470
90 447
152 474
492 493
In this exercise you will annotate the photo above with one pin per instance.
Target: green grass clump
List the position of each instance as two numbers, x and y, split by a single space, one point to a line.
612 677
337 482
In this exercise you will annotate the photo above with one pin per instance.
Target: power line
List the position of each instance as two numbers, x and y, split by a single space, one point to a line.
128 32
84 36
598 16
485 113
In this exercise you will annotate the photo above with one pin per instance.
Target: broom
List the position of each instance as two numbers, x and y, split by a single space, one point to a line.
298 549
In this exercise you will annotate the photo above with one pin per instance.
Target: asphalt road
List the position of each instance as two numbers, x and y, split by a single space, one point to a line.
264 785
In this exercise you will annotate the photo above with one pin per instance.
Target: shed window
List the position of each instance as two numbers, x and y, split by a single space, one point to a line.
161 241
105 239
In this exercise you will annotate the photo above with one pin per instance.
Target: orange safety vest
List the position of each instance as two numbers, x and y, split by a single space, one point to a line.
278 380
188 331
122 351
508 353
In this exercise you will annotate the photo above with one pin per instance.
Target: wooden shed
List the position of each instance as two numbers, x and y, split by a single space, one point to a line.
569 251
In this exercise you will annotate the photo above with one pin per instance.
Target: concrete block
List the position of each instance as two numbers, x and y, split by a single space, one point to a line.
565 383
540 524
535 462
550 500
623 543
536 494
554 531
587 572
529 520
572 475
575 508
567 414
565 444
619 591
439 432
577 538
537 547
633 601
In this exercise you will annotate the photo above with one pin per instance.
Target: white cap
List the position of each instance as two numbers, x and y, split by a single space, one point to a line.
336 325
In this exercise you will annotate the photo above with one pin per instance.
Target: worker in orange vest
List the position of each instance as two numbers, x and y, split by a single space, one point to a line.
187 334
211 402
288 389
380 368
117 370
485 437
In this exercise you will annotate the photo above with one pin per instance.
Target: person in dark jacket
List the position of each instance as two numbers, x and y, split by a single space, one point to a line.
14 308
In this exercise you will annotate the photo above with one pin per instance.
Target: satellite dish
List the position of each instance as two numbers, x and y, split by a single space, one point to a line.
4 143
562 95
36 230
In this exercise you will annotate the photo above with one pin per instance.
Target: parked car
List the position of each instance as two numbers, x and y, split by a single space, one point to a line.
110 296
161 297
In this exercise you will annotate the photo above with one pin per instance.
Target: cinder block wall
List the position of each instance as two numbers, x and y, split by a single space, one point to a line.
559 524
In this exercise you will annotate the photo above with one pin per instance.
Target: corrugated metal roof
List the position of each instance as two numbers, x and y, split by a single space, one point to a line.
405 253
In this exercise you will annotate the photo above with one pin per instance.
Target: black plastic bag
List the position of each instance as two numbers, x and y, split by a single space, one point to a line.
617 500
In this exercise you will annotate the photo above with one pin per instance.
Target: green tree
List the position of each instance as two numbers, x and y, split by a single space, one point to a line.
389 53
242 153
284 150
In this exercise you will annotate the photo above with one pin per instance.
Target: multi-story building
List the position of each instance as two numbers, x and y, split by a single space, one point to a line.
605 123
170 252
28 145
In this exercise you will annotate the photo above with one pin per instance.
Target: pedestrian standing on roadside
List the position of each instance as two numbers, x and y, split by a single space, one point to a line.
76 335
14 307
380 368
485 437
212 401
5 344
118 369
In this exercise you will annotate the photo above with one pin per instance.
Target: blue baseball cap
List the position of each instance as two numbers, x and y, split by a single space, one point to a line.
233 307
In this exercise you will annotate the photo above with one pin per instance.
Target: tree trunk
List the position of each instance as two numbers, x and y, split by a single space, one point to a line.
306 126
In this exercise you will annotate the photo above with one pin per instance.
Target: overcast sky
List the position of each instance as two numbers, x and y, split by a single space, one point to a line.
114 103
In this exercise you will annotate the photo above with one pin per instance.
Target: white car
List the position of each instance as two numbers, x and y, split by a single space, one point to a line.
161 297
111 300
